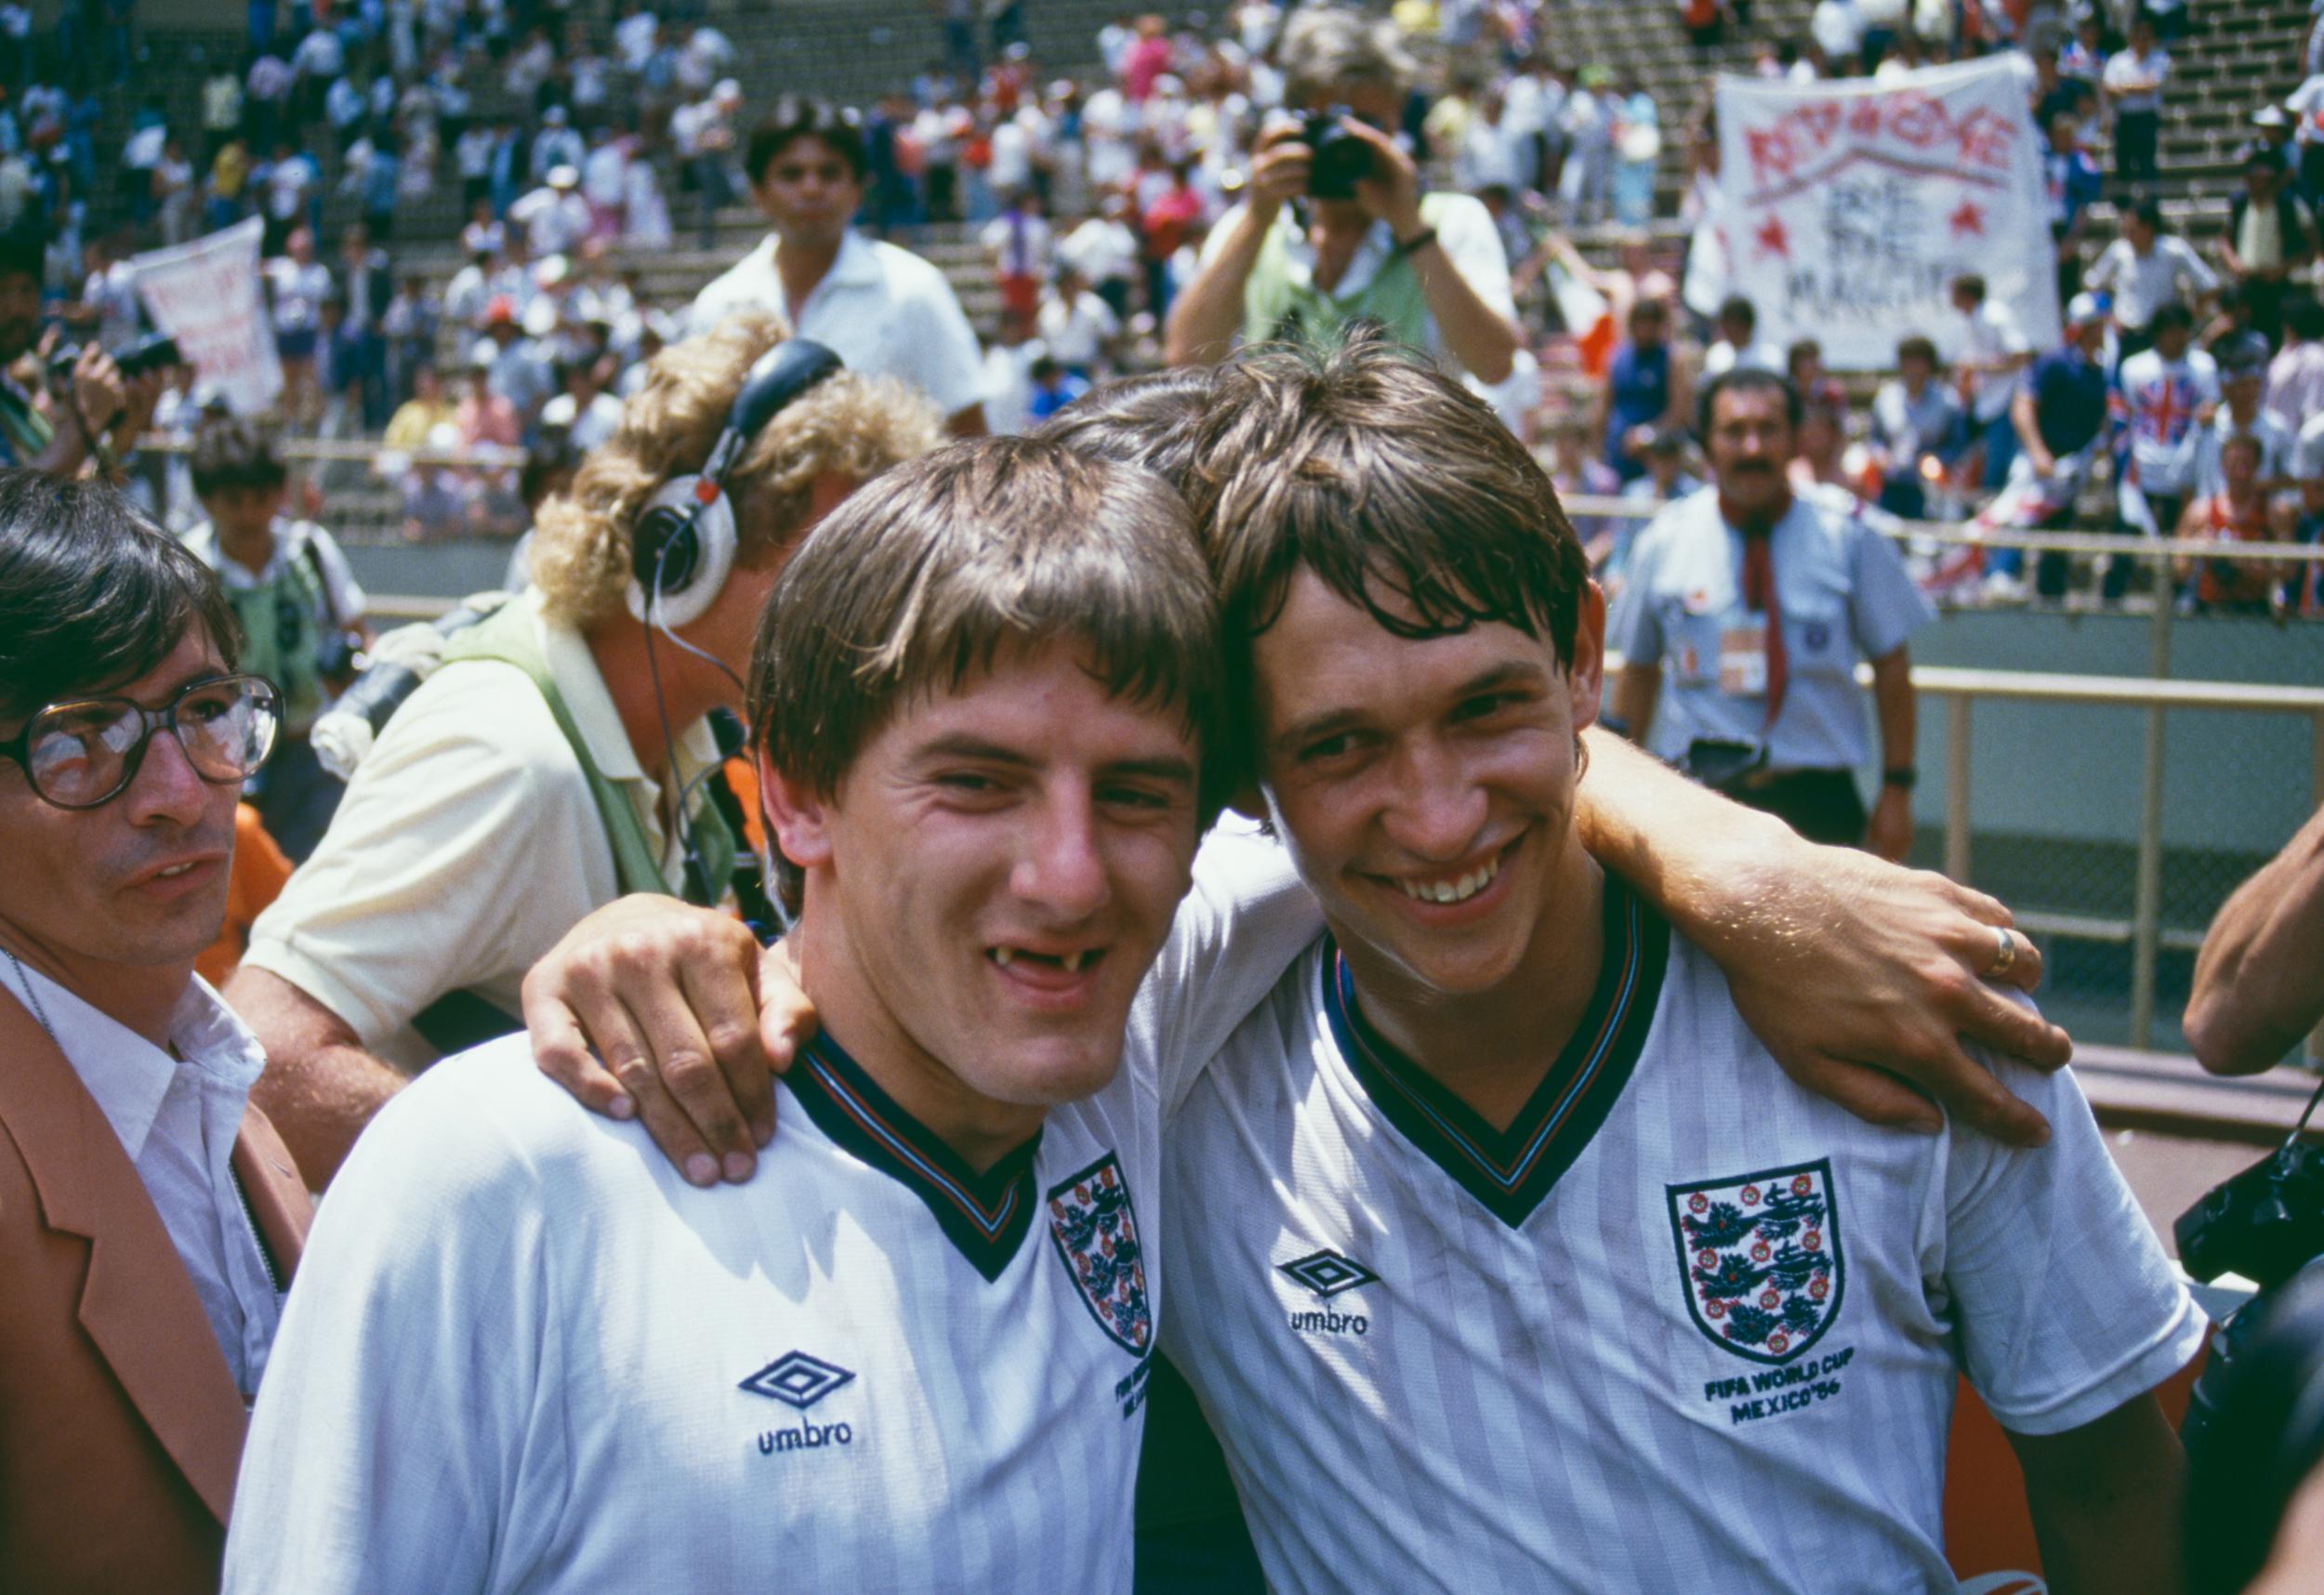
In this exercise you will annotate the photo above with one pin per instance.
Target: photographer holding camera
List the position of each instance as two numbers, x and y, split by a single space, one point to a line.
300 607
1333 227
93 409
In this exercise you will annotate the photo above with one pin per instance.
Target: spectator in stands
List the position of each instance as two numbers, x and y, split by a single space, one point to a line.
2070 182
1738 342
1663 452
1803 363
2060 415
1574 464
290 182
1991 352
93 411
1166 224
886 312
2235 512
2242 382
2144 269
2169 394
410 325
582 409
1649 383
296 286
175 199
300 607
415 421
1585 180
555 218
1637 151
2296 377
1800 591
2270 237
488 771
1428 267
1918 430
1078 328
703 133
520 372
1021 246
1104 251
2133 81
1053 388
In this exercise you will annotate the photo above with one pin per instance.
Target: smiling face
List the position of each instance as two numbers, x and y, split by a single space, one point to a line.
989 883
1426 785
137 881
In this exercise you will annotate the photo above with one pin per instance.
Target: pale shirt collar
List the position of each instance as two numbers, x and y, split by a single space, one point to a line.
126 1075
1371 255
574 668
290 538
856 264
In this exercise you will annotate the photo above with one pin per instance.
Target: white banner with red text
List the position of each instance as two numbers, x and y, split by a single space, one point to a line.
1847 208
208 297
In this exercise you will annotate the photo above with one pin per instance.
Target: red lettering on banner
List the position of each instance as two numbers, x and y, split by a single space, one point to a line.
1771 237
1918 121
1984 139
1771 152
1821 119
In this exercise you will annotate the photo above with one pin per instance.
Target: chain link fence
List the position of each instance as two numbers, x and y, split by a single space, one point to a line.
2113 761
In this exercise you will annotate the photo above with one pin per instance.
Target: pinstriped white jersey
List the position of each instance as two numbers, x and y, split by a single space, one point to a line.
1682 1326
523 1354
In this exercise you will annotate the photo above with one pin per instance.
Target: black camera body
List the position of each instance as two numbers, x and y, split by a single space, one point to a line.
1341 159
156 353
2263 1224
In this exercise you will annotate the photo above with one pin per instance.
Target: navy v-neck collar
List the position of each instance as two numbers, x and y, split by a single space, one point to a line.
1510 1171
985 1216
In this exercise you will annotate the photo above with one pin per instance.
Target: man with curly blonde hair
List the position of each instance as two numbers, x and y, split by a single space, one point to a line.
537 775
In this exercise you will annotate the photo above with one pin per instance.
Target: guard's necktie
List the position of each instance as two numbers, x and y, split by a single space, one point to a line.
1759 593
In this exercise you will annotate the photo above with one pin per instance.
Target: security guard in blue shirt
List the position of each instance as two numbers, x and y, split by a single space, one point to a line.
1760 603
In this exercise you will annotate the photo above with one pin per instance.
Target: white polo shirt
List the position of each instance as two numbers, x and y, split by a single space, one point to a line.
884 310
467 845
526 1355
1681 1325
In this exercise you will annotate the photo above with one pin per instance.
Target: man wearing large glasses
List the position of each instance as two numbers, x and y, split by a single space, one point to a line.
148 1217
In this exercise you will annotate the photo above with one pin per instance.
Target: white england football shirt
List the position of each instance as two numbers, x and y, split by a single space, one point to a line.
523 1354
1682 1326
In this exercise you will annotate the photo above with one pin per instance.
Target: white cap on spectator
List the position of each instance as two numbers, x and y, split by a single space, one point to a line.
2084 309
562 177
554 117
727 92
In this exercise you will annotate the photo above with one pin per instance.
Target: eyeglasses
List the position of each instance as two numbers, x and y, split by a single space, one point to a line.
83 754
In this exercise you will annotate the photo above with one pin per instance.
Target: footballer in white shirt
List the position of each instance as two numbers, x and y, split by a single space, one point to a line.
526 1354
1516 1263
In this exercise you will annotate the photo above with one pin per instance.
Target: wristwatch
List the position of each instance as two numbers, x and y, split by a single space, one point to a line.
1903 776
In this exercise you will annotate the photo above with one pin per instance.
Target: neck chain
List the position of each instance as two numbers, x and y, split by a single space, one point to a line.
32 995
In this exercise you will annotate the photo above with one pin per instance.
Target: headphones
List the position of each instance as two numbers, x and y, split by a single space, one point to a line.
682 548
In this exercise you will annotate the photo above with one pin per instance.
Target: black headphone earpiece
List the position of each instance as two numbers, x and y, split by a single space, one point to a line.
682 546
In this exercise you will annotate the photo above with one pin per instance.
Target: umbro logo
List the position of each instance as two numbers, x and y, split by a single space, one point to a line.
797 1379
1327 1274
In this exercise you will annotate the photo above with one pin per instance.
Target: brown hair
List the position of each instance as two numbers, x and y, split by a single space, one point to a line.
1147 420
925 576
1401 489
854 424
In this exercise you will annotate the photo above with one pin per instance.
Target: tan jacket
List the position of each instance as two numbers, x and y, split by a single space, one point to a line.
120 1425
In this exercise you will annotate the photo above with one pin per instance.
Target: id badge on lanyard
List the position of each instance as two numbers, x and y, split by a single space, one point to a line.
1743 661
